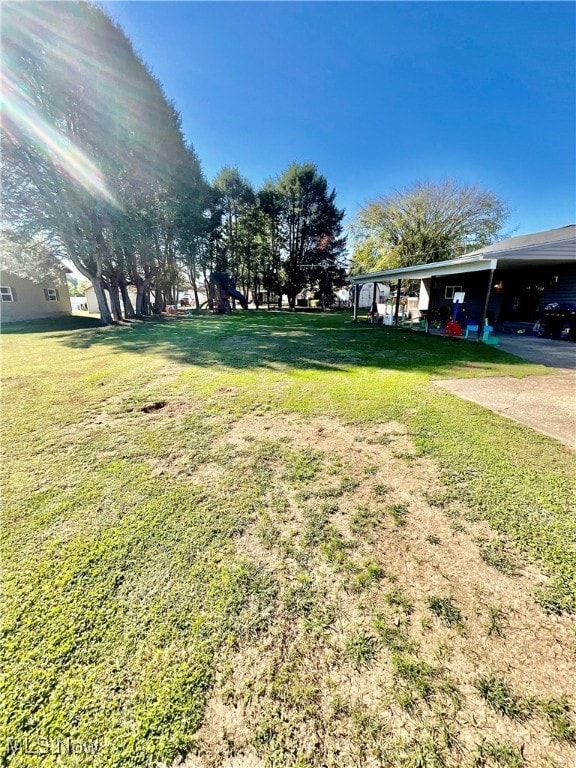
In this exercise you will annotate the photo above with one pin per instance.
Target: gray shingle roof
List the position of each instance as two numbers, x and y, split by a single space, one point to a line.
525 241
539 248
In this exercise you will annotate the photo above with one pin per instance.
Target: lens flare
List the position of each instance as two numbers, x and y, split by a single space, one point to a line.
21 117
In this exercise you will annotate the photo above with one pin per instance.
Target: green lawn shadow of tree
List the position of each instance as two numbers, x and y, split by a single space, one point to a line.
63 323
291 341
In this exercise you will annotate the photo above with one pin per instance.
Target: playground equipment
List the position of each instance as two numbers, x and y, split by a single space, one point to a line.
220 291
453 328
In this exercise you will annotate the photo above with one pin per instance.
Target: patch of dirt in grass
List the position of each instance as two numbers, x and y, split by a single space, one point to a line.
387 617
173 409
119 410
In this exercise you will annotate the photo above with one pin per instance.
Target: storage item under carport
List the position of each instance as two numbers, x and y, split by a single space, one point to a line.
558 321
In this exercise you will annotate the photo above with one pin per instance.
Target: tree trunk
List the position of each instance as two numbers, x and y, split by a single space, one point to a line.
208 293
128 308
146 301
115 298
103 308
139 298
171 294
160 303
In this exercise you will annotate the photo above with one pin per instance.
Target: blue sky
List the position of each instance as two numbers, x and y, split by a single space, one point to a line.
378 95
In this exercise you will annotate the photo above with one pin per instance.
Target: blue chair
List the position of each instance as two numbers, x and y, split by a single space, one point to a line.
471 328
488 337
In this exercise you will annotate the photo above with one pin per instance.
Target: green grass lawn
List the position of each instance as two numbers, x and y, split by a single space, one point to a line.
148 475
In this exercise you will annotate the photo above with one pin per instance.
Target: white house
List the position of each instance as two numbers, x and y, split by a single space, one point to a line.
92 302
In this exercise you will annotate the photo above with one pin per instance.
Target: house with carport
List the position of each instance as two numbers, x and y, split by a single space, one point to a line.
506 284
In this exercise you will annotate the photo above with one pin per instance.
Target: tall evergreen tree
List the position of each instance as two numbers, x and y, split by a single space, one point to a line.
198 224
270 205
236 199
86 147
310 227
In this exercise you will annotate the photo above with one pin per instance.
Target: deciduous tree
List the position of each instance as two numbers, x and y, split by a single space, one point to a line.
424 223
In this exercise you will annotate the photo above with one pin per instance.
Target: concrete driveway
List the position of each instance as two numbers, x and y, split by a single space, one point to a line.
545 403
549 352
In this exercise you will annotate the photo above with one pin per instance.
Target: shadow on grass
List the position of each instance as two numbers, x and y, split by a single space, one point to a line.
47 325
274 340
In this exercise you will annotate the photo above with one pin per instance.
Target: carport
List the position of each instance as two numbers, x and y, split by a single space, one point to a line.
508 281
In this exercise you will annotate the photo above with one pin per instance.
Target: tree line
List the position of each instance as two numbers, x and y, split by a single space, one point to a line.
96 171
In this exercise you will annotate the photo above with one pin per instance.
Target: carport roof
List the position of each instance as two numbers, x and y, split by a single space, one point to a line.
554 246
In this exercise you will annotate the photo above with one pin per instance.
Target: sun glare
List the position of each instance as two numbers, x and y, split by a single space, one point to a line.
51 142
21 118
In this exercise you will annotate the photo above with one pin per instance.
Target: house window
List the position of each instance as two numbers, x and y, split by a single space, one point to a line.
6 293
51 294
450 290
